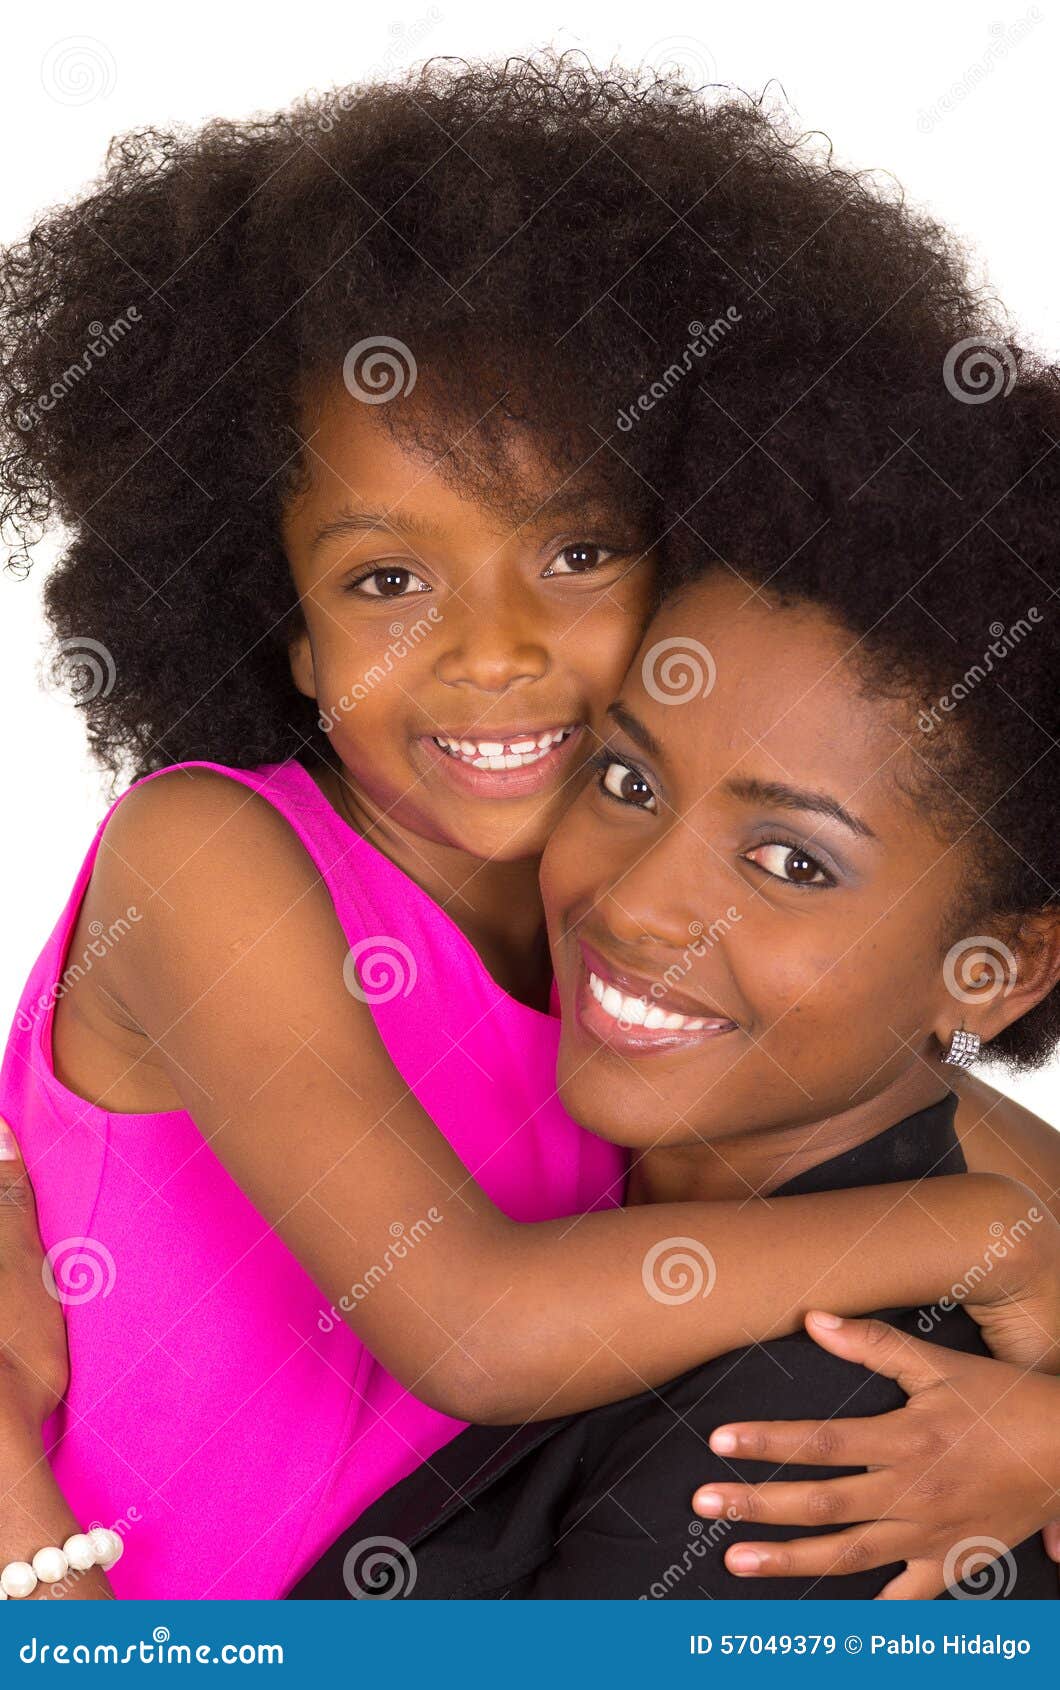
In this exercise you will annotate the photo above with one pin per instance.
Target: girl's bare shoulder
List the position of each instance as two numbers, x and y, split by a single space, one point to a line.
194 872
199 838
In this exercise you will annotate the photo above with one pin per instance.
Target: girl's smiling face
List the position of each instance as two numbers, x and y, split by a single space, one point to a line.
456 658
748 917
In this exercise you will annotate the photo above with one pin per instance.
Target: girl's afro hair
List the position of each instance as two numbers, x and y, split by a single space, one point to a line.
610 259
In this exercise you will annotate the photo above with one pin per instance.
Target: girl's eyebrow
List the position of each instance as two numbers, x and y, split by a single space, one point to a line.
784 797
350 520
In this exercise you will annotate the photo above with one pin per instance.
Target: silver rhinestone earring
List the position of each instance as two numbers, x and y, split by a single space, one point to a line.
964 1049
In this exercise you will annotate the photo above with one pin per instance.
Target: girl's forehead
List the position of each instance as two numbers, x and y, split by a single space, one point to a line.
418 458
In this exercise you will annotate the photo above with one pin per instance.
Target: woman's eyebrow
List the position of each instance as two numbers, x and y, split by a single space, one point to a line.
784 797
634 727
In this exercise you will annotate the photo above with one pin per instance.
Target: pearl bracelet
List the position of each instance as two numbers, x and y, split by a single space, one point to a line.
96 1548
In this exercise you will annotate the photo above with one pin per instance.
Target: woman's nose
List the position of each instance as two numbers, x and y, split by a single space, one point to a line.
658 899
492 650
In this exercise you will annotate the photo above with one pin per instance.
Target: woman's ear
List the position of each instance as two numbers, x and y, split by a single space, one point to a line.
992 980
303 673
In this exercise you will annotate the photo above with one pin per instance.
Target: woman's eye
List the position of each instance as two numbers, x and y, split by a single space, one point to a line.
790 863
628 785
579 558
390 583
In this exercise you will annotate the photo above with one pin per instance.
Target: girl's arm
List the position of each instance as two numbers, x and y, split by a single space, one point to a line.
235 974
968 1469
970 1457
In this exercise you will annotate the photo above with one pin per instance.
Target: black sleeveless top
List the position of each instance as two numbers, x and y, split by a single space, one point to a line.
598 1504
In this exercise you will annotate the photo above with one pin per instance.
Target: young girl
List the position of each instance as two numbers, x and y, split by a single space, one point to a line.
855 852
353 650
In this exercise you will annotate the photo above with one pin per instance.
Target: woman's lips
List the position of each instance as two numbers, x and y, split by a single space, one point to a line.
631 1014
538 766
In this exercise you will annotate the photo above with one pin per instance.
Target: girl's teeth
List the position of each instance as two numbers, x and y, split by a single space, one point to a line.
492 754
636 1011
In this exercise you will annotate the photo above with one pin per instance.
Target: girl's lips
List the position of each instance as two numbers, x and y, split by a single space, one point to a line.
504 783
617 1020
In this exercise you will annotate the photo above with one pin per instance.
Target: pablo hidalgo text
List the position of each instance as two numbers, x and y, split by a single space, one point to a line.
953 1644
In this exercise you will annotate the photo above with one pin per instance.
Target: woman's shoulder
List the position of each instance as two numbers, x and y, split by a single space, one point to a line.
998 1135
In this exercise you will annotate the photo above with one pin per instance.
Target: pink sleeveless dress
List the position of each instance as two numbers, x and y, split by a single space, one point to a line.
219 1416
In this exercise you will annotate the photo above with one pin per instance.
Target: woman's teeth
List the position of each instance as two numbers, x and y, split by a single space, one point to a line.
636 1011
503 754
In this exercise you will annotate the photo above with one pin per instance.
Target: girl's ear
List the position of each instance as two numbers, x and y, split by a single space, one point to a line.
300 654
993 981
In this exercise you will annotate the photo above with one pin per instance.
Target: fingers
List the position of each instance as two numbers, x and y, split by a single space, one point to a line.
16 1193
1051 1534
9 1151
881 1348
835 1555
874 1441
921 1582
824 1502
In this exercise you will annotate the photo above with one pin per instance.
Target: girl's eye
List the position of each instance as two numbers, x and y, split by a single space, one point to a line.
790 863
389 583
626 784
580 558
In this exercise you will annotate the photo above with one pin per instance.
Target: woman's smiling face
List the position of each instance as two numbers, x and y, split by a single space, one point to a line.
455 657
746 914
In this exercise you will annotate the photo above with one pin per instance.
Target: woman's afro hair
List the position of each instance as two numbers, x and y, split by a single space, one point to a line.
771 359
923 516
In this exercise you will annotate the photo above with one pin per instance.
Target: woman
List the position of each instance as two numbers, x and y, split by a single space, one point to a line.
226 1097
878 899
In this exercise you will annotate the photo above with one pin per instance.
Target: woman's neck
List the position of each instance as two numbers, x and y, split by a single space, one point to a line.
755 1163
495 903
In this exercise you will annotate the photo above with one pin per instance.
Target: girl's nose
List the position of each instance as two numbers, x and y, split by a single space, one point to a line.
492 652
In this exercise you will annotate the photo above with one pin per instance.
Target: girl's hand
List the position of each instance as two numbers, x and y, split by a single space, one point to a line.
34 1365
1017 1299
967 1469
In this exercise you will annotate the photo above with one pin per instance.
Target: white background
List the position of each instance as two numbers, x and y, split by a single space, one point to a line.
957 100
